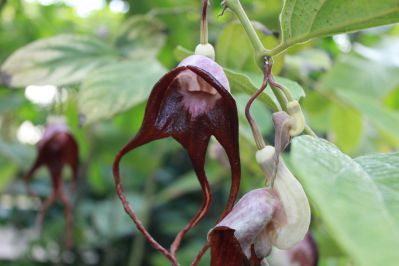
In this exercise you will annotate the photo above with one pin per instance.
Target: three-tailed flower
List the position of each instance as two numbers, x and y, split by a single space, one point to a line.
191 103
56 148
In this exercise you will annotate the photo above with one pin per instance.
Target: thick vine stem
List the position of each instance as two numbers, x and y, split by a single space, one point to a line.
260 51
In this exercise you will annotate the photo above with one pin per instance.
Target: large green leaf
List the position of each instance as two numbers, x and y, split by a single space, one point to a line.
356 199
117 87
363 75
302 20
384 170
234 50
59 60
67 59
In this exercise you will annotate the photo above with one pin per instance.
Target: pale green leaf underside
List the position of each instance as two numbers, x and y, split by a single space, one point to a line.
59 60
117 87
68 58
357 199
302 20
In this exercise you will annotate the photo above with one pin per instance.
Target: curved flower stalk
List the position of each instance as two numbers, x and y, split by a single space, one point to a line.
56 149
190 104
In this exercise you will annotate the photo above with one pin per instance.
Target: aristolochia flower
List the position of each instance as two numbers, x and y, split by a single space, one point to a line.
263 218
56 149
191 103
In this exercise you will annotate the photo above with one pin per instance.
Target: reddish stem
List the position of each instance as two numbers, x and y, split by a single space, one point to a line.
204 23
255 130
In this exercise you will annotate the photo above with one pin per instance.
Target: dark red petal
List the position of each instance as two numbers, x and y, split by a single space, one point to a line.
56 148
191 117
225 248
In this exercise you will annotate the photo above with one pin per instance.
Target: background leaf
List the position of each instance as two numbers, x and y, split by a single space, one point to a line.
59 60
352 198
141 37
117 87
347 126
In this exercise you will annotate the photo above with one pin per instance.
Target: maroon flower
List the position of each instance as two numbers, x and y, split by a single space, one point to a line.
190 103
56 149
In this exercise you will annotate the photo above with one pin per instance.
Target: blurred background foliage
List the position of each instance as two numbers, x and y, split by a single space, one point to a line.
97 69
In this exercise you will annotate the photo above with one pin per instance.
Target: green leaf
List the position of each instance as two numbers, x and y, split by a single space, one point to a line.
141 37
240 83
117 87
234 50
356 199
16 153
359 214
380 116
7 173
360 74
180 53
59 60
347 126
302 20
384 168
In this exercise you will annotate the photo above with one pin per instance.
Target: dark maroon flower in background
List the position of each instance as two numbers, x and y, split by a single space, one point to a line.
191 103
56 149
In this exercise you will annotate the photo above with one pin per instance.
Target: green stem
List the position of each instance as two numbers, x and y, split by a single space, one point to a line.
308 131
278 49
260 50
282 100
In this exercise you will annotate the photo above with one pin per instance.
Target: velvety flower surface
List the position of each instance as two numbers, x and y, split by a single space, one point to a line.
191 103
